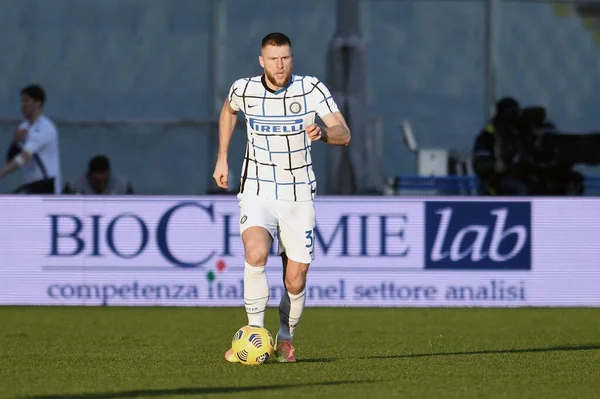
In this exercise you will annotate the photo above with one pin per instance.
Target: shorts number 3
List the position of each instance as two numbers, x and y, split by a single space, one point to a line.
310 238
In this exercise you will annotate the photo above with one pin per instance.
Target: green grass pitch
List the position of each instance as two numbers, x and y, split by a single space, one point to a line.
114 353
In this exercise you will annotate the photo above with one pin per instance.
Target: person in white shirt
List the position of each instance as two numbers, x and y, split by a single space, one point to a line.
35 147
278 184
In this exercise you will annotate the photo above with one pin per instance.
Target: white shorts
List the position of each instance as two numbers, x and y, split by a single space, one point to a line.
293 223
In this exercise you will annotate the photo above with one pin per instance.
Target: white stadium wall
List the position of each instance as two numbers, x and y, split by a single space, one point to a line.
186 251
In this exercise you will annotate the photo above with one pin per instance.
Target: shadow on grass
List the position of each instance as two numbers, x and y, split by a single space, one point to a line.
273 361
309 360
562 348
189 391
316 360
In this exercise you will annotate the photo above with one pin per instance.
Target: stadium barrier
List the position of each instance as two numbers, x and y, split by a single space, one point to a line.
370 251
463 185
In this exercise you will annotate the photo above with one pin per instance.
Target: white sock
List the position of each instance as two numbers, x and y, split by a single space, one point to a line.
290 310
256 294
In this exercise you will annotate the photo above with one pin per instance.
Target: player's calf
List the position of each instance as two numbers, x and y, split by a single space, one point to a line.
256 294
256 285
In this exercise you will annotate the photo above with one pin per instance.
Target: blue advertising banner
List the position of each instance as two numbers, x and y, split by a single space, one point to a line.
478 235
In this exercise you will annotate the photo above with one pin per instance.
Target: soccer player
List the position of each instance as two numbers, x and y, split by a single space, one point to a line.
278 184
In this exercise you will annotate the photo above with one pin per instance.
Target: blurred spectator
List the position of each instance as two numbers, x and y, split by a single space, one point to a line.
497 152
34 147
99 180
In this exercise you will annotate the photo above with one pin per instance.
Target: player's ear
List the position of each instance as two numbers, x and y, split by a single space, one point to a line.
261 61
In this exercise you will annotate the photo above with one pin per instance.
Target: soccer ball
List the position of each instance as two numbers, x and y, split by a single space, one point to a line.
252 345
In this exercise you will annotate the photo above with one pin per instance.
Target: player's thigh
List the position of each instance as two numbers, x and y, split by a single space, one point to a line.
258 224
296 232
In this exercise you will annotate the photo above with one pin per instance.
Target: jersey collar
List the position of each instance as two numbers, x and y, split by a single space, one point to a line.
264 83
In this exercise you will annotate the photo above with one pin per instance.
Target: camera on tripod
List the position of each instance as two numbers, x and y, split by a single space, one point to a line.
549 155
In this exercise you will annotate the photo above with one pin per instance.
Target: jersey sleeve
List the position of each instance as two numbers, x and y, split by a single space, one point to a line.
38 137
324 103
234 96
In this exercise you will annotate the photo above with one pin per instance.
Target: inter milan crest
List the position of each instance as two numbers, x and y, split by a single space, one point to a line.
295 107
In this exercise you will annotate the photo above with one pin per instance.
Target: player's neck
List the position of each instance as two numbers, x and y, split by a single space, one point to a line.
34 117
271 87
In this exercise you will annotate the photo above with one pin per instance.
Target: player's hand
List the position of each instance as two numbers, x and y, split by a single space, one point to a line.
313 132
221 174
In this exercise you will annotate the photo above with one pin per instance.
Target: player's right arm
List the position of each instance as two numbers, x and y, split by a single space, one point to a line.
37 138
227 121
17 142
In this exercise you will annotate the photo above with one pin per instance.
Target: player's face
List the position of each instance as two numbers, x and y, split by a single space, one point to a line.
277 62
29 107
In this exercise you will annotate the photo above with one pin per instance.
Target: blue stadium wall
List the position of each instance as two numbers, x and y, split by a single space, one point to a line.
116 59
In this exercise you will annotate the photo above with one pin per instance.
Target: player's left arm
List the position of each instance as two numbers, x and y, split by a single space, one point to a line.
337 131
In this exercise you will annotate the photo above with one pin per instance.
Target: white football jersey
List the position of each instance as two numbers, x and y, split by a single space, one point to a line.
41 142
278 163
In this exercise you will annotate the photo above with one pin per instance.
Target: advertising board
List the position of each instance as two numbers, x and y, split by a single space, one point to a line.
370 251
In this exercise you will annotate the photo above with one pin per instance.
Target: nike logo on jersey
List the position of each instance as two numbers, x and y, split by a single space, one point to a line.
252 105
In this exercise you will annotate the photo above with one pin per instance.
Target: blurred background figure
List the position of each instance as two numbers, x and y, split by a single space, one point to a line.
34 147
99 180
497 152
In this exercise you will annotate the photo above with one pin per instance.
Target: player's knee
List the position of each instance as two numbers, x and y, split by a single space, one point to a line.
256 255
295 284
